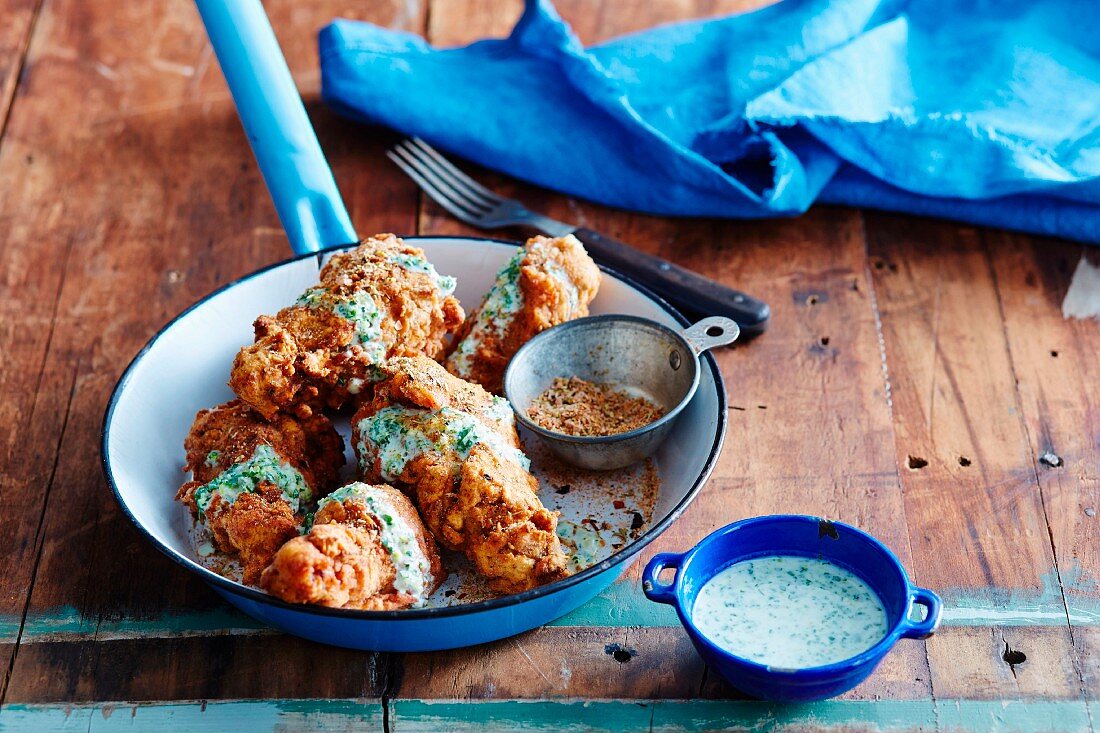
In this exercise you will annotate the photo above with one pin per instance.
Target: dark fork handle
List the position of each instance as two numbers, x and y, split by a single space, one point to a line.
693 295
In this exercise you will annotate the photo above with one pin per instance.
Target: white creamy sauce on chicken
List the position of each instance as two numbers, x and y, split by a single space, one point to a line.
501 411
265 466
791 612
559 273
361 310
502 302
445 284
395 435
396 535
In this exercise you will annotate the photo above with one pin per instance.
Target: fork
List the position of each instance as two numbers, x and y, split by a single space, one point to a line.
474 204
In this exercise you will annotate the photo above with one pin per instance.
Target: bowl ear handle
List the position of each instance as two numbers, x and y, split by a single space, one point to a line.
653 588
933 607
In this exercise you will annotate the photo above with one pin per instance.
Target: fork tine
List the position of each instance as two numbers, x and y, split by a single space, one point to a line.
453 173
434 192
433 176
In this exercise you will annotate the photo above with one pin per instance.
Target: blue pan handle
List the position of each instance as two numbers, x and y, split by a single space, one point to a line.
275 121
653 588
933 609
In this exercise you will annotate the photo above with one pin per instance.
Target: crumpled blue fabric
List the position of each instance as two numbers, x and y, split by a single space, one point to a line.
979 111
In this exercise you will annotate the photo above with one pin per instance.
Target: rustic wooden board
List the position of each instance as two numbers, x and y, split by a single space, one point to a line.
15 36
892 337
105 247
1056 369
980 525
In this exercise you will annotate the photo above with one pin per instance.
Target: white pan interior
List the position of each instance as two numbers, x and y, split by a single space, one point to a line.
186 367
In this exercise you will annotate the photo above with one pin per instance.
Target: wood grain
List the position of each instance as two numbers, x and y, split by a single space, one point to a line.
15 36
104 247
1056 370
196 669
978 517
959 436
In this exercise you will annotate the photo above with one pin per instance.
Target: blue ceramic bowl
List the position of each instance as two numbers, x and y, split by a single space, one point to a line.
838 543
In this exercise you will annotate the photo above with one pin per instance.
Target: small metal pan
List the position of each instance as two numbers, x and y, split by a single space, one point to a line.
635 355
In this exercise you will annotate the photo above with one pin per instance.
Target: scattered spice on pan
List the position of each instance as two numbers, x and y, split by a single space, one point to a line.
575 406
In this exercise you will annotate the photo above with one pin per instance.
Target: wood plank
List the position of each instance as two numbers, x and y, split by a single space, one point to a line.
458 23
622 605
15 35
98 257
1055 364
995 663
977 516
603 663
261 667
610 716
1054 361
967 464
552 662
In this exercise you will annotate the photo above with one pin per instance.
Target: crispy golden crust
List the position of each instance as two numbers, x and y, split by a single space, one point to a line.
336 565
342 563
509 535
484 506
547 301
308 357
256 525
234 430
421 382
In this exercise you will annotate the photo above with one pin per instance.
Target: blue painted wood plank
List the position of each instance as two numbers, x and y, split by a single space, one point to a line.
622 604
608 716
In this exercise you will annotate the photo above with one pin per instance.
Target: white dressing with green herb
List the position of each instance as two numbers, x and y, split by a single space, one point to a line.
559 273
396 435
358 308
264 466
500 410
397 536
502 302
445 284
791 612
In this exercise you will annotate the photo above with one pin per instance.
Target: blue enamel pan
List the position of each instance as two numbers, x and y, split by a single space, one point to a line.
184 368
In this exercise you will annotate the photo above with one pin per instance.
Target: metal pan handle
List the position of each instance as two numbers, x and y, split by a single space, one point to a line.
275 121
711 332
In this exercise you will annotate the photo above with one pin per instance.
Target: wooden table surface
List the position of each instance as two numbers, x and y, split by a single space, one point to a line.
914 374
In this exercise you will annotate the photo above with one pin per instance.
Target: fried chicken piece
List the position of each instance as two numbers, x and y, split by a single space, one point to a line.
454 447
255 526
249 477
379 300
367 549
229 434
547 282
507 532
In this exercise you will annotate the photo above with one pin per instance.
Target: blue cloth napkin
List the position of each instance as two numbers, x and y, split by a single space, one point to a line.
984 112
